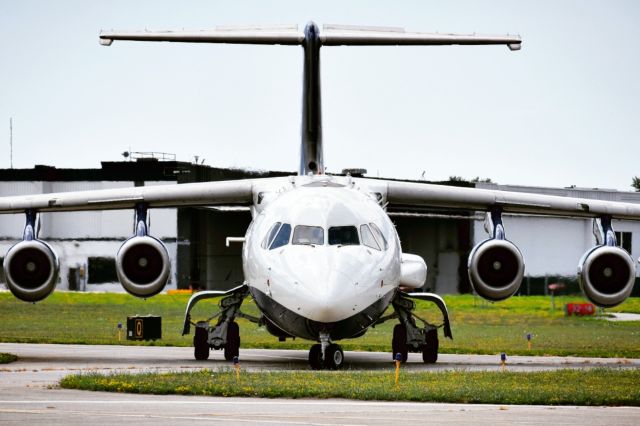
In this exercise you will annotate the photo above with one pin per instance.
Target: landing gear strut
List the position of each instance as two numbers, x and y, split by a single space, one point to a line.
326 355
408 336
415 338
225 335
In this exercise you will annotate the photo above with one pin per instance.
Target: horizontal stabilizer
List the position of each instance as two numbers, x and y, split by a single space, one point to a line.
337 35
231 35
331 35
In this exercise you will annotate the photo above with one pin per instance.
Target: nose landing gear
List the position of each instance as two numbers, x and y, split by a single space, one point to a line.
326 355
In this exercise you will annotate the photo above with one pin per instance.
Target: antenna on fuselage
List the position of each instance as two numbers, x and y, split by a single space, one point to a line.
311 39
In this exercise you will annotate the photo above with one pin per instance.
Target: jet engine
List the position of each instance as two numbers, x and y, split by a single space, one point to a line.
496 268
496 265
606 275
31 266
142 265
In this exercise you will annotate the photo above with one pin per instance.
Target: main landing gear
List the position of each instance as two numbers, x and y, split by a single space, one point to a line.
225 335
410 337
326 355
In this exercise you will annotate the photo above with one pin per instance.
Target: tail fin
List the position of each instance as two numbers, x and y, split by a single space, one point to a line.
311 39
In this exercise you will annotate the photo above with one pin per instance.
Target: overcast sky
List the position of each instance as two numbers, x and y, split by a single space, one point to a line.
565 110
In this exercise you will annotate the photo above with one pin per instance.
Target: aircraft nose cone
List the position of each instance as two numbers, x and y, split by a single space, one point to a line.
325 287
333 298
328 282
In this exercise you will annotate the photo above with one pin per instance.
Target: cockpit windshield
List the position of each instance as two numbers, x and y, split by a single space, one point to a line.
282 238
308 235
379 236
278 236
271 235
344 236
367 237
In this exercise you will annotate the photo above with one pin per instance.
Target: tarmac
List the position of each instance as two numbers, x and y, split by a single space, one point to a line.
29 393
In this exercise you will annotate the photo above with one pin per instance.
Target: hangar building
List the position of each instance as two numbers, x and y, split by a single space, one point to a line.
87 242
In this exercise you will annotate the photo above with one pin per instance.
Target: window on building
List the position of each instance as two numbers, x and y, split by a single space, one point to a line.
102 270
624 240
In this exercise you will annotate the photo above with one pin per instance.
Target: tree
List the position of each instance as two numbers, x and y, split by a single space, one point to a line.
483 180
635 182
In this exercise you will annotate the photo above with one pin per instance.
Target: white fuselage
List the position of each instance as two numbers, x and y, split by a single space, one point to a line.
322 249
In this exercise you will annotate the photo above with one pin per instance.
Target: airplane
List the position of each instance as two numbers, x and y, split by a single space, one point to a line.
321 257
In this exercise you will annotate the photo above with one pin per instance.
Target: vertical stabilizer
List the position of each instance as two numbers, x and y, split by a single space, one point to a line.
311 158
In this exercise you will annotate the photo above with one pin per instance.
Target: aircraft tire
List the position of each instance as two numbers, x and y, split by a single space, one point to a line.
232 348
333 357
200 344
315 357
430 350
399 342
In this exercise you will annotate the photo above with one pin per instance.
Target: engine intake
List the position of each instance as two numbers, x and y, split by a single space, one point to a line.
606 275
496 269
143 266
31 268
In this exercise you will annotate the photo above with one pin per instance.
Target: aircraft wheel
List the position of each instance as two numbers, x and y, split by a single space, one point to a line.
399 342
430 350
315 357
333 357
200 344
232 348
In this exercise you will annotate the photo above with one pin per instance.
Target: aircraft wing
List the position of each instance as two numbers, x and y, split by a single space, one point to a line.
449 197
178 195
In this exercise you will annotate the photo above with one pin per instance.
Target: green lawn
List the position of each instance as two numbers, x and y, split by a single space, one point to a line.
478 326
6 358
572 387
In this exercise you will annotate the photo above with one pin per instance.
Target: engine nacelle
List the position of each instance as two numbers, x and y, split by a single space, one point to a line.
143 266
31 268
606 275
496 269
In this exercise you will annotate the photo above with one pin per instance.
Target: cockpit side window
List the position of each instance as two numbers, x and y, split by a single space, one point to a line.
367 237
344 235
271 235
382 241
282 238
308 235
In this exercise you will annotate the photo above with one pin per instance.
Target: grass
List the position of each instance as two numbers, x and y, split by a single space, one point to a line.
561 387
478 326
6 358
